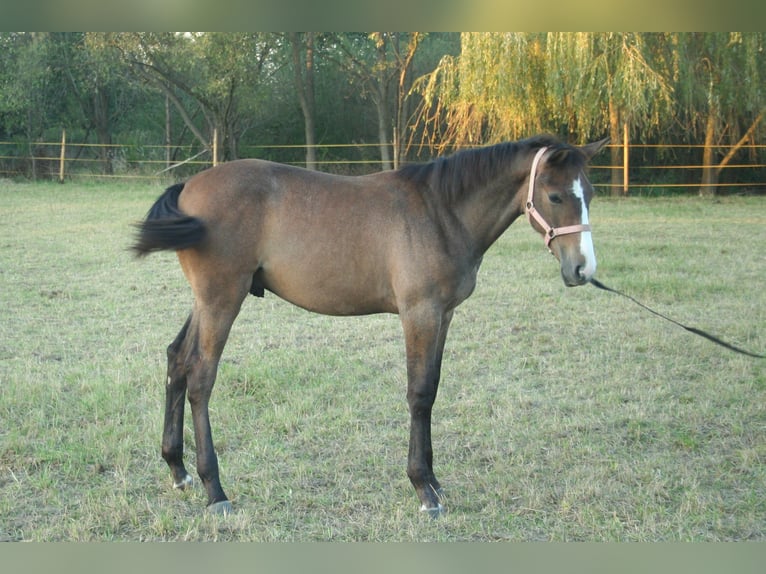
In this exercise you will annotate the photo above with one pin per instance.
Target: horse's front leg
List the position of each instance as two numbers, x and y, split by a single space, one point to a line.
425 332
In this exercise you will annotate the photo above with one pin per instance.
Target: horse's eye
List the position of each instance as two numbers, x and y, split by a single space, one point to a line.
555 198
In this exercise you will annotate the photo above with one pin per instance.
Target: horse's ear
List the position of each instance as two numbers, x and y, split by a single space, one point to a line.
558 156
593 148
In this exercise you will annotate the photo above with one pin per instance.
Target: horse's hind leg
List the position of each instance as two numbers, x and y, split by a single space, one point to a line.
215 309
175 396
192 367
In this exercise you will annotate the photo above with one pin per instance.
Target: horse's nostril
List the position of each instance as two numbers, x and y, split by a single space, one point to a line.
574 276
581 274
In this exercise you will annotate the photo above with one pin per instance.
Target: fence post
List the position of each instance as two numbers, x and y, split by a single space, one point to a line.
625 154
63 156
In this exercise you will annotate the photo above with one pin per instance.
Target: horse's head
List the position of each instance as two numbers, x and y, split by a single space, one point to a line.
558 197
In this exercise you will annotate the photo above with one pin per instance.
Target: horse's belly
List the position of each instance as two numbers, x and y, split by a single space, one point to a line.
334 291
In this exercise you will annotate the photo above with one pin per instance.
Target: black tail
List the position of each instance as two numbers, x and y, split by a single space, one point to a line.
166 227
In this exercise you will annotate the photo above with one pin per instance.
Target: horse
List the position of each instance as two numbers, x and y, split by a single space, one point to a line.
407 241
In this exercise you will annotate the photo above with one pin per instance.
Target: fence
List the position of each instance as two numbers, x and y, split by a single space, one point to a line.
647 169
63 159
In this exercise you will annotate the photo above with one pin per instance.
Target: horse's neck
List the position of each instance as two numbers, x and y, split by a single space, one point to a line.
488 210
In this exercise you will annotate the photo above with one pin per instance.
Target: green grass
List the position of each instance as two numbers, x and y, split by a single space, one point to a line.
564 414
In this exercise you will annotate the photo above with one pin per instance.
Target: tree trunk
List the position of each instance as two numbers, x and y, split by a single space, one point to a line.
708 158
383 135
154 78
709 171
381 101
615 134
402 109
168 133
103 131
305 89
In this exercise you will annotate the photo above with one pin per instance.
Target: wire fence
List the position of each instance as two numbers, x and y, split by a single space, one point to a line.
651 168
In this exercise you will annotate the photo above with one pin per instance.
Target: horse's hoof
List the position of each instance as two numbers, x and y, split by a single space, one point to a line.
222 508
435 512
186 481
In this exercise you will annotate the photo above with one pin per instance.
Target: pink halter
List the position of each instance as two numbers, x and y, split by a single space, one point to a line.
532 213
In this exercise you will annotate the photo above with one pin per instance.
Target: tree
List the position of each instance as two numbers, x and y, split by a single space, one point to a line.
721 97
506 85
212 75
99 91
31 93
494 90
612 76
397 90
380 63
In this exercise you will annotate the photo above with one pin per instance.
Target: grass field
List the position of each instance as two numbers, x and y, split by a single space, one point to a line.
564 414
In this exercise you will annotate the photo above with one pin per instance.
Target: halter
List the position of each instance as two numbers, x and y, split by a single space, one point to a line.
532 213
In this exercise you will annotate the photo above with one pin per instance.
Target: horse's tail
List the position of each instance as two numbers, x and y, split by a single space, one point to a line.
166 227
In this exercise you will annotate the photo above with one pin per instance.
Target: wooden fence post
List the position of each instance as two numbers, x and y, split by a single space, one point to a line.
625 154
63 156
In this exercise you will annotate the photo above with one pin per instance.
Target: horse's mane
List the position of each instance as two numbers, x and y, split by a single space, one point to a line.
467 169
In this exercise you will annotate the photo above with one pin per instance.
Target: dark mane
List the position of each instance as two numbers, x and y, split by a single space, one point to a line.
467 169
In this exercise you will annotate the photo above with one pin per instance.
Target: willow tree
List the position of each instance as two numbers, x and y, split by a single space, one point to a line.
610 79
720 83
494 90
503 86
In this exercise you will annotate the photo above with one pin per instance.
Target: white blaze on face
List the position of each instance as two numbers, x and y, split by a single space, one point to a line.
586 238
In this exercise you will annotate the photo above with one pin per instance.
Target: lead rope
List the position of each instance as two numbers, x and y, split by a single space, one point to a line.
699 332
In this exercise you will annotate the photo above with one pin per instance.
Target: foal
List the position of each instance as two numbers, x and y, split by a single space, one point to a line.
408 241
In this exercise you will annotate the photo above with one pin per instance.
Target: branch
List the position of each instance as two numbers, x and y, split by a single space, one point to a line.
140 67
180 163
740 143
